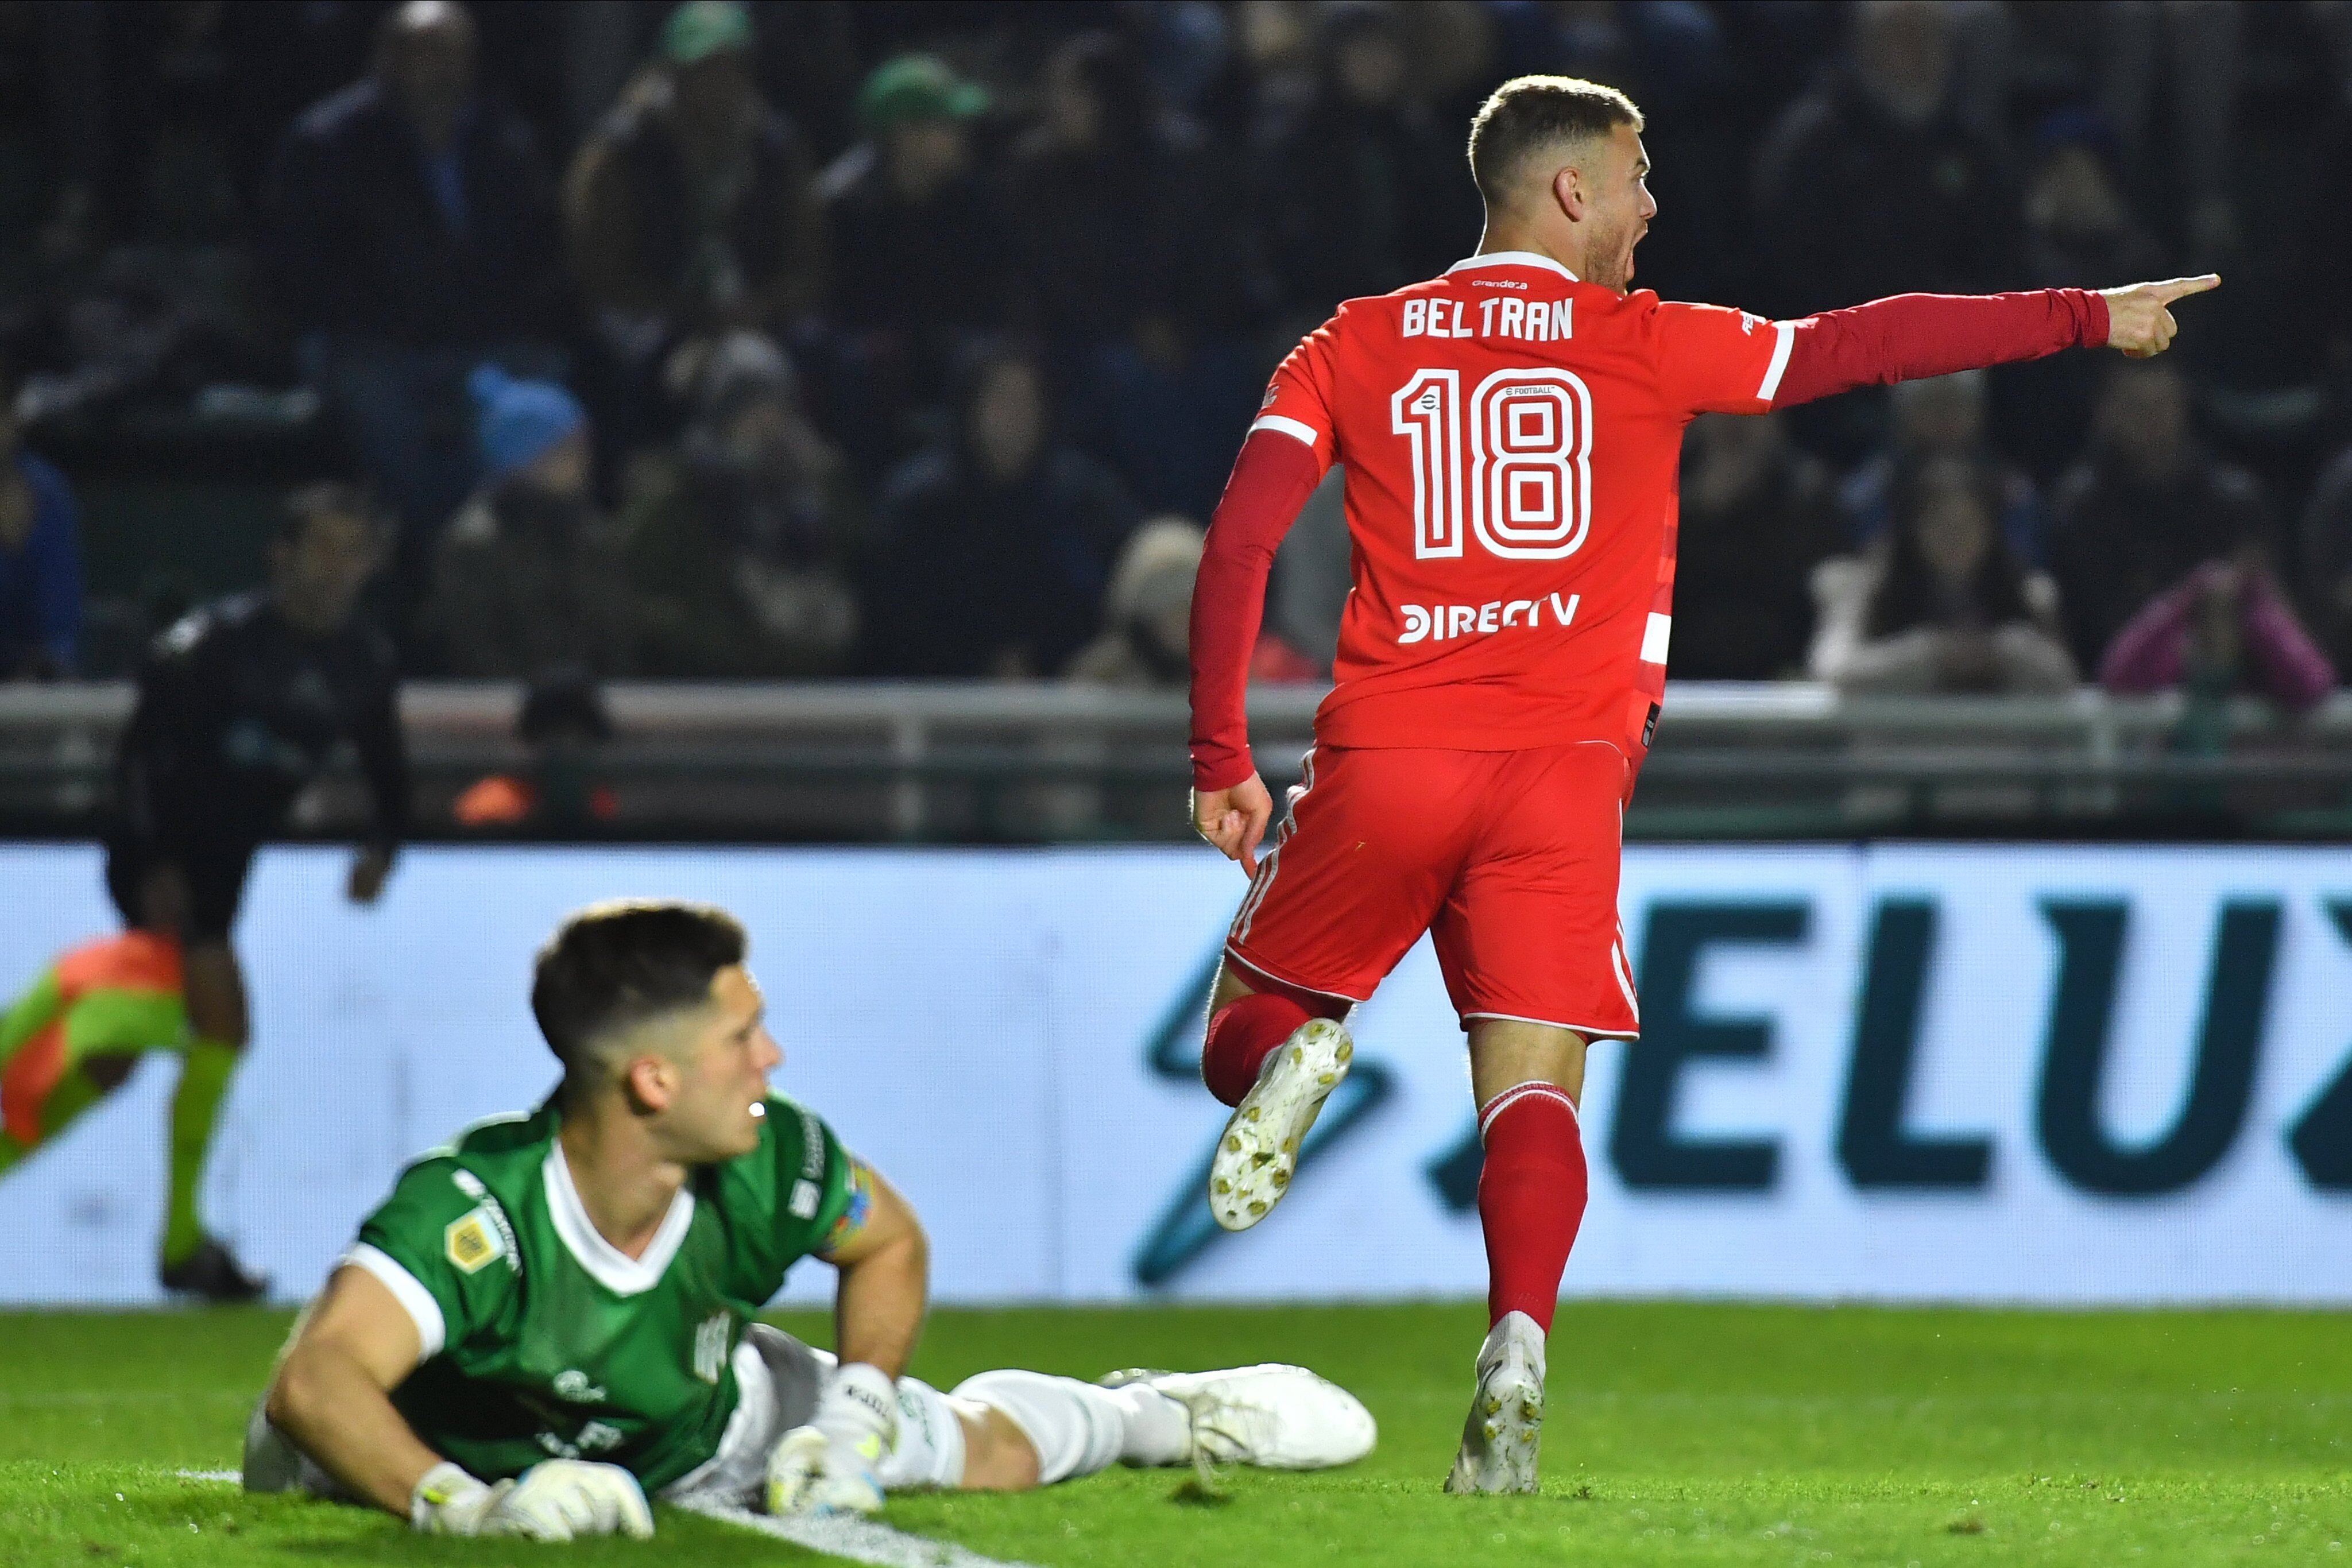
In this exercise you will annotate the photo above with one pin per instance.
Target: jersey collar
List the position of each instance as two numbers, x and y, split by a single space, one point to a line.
1512 258
607 1264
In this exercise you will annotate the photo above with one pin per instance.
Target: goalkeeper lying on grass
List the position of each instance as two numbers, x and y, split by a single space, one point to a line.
551 1320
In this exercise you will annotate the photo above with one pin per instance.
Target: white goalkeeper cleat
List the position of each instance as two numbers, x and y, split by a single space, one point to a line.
1259 1153
1502 1439
1273 1417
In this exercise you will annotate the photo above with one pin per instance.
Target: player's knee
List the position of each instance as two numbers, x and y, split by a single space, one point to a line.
216 1003
1231 987
998 1456
227 1029
109 1070
1064 1436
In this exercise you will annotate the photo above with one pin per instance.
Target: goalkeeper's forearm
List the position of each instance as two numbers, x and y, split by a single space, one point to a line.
334 1410
878 1306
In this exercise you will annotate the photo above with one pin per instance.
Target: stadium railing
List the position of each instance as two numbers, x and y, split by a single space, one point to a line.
990 762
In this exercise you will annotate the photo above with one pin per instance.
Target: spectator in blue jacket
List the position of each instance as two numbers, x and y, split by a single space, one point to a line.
40 558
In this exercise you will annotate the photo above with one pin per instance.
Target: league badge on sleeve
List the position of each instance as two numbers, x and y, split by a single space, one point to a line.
472 1242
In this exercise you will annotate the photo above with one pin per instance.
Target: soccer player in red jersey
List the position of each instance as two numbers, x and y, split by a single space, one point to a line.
1511 432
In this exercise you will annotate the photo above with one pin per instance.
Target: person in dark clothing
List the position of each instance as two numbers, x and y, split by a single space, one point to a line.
1879 156
2079 233
1114 211
1942 416
40 558
920 252
992 551
1140 279
410 232
2144 506
1939 603
529 573
242 706
564 724
693 208
1757 516
2079 226
916 239
737 545
1361 192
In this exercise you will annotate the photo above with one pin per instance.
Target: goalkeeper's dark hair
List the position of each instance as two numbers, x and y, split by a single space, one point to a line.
616 965
1527 114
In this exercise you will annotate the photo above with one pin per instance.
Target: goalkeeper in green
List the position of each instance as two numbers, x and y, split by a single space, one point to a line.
551 1320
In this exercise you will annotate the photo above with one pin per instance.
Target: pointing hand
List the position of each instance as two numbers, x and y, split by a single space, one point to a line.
2139 319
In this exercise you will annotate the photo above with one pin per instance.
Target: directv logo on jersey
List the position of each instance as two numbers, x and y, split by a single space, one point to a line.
1438 623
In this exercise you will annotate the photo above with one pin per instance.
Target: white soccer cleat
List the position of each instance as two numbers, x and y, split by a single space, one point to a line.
1273 1417
1259 1153
1502 1439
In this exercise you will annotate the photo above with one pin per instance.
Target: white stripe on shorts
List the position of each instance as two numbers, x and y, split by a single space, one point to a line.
1264 878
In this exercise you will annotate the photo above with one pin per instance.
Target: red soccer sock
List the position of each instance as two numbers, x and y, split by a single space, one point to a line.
1242 1035
1531 1197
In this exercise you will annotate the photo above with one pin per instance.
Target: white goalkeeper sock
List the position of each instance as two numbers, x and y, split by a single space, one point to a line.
1078 1428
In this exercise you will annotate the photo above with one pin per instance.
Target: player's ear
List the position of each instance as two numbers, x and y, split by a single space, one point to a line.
650 1080
1568 191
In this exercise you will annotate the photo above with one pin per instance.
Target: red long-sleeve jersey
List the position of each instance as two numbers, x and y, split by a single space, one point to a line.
1512 438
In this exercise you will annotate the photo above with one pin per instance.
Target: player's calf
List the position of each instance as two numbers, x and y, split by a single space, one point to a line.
1242 1034
1531 1195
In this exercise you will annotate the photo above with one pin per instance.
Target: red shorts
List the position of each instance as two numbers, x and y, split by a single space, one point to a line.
1508 859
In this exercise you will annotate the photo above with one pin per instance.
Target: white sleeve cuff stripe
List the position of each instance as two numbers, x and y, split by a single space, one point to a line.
1787 333
414 1298
1292 427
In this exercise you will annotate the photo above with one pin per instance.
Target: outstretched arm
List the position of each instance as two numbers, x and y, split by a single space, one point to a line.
333 1392
1271 480
1913 336
833 1464
885 1264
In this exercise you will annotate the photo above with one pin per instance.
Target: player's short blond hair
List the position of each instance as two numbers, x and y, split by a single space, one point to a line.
1528 113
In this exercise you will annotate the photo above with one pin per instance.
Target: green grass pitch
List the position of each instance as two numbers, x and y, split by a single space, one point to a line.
1678 1434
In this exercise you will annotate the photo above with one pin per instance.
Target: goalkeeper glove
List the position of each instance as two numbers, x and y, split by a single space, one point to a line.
558 1499
449 1501
833 1465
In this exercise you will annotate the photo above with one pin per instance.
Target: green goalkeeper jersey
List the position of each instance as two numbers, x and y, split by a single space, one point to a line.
540 1339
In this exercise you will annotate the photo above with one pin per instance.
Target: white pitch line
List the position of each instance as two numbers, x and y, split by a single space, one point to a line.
846 1535
859 1540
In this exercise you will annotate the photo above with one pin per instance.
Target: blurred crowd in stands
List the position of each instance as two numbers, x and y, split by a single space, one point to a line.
885 338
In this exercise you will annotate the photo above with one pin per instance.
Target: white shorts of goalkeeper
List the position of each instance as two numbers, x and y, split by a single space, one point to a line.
779 1379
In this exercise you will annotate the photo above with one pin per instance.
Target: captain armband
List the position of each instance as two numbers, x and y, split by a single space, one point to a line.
860 1212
